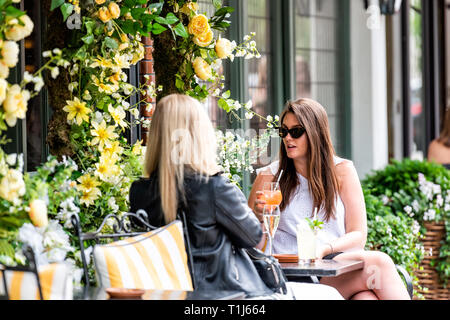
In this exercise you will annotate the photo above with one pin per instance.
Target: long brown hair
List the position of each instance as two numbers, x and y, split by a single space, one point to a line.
444 137
322 179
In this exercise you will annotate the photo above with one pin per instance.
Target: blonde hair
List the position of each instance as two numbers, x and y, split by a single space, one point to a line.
181 137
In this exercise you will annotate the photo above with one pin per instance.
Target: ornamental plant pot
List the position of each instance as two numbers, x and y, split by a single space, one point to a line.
432 288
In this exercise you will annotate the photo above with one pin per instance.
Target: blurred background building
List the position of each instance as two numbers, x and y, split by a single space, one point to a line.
381 68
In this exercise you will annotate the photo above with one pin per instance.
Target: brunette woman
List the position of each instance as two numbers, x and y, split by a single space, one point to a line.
439 149
314 177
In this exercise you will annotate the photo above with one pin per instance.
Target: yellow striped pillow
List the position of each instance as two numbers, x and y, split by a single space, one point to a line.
56 283
153 260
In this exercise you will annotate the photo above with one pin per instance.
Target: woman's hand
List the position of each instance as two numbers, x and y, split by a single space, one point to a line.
259 205
323 250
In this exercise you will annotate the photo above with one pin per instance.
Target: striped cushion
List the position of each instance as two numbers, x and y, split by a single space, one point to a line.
153 260
55 279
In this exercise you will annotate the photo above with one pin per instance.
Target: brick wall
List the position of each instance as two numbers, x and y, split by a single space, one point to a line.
146 68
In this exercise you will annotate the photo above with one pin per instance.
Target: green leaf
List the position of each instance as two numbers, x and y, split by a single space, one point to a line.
179 84
111 43
224 105
56 4
217 4
161 20
158 29
137 12
127 27
66 10
14 12
88 39
171 18
226 94
223 11
158 7
6 249
90 25
180 30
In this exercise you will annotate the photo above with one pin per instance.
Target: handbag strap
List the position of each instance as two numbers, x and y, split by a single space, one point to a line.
182 215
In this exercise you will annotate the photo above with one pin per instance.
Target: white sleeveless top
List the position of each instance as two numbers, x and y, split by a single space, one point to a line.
300 207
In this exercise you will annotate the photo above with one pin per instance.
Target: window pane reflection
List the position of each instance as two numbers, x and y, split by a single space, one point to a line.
317 51
416 83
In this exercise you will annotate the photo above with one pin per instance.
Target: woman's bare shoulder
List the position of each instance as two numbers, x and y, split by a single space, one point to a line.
438 152
345 167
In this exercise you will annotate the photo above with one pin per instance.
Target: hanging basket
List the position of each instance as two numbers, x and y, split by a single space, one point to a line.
428 277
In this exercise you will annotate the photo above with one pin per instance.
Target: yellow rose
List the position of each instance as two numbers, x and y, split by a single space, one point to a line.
104 14
16 32
223 48
10 53
198 25
38 213
12 185
114 10
188 7
4 70
202 68
3 87
204 40
15 104
138 53
100 1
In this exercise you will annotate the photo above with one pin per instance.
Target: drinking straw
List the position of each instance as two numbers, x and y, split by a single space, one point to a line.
279 177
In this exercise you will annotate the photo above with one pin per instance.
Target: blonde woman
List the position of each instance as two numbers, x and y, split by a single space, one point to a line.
181 168
313 177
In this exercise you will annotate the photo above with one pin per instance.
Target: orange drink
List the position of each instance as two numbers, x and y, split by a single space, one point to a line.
273 198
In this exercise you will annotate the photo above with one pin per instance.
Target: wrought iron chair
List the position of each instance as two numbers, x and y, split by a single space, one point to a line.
129 225
407 278
31 267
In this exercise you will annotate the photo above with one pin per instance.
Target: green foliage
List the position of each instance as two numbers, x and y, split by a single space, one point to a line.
399 199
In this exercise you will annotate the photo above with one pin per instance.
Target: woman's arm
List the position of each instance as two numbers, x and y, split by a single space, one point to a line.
234 215
352 197
256 203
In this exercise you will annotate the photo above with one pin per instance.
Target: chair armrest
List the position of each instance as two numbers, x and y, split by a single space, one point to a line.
407 278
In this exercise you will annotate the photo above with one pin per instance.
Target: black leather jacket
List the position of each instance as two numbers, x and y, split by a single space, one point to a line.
220 224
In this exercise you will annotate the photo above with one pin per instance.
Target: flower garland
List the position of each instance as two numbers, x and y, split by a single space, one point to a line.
25 199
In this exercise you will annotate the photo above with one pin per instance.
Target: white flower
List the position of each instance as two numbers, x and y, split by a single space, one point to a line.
10 53
439 200
429 215
269 118
421 177
38 84
112 204
46 54
248 115
27 77
416 227
11 159
17 31
55 72
415 205
31 236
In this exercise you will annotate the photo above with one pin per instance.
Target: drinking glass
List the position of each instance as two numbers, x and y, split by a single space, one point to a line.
306 243
271 217
272 193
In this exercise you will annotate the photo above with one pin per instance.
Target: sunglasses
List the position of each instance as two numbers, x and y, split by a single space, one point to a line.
295 133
